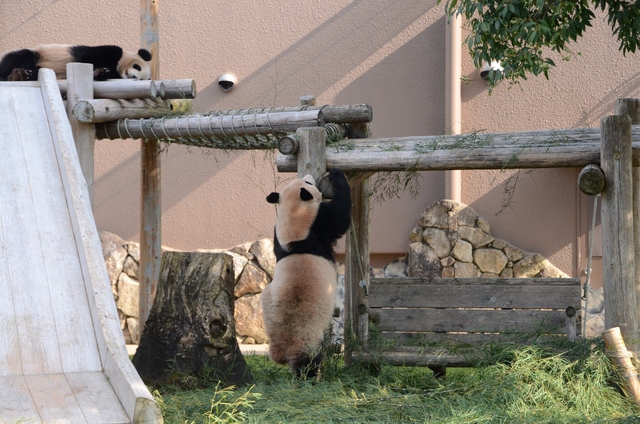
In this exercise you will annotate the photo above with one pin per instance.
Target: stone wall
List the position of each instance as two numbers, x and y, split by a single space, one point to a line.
450 240
453 240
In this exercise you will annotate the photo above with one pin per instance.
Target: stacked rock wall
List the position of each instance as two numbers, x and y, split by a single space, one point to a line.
452 240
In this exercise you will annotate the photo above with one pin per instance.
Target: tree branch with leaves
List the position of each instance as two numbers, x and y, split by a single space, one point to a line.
521 34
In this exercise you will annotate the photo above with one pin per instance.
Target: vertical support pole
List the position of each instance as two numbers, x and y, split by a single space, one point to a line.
631 107
617 229
453 99
312 152
150 216
308 100
80 87
357 259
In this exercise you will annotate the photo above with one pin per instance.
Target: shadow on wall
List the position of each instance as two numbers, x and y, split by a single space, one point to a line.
328 53
606 105
508 196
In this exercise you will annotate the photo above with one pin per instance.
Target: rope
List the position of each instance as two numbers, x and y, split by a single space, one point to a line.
589 258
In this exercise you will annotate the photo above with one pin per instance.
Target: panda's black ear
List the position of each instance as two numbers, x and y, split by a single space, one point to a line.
144 54
273 197
305 195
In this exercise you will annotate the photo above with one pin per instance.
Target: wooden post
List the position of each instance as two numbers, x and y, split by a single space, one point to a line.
308 100
631 107
312 152
150 217
80 87
617 229
357 258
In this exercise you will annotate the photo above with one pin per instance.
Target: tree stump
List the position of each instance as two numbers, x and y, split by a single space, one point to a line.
190 330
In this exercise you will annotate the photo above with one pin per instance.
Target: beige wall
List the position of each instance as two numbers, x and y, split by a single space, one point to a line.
385 53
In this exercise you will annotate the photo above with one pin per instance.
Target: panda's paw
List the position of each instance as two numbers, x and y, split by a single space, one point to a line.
20 74
336 174
101 74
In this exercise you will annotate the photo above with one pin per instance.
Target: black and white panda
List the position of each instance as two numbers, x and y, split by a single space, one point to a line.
108 62
298 304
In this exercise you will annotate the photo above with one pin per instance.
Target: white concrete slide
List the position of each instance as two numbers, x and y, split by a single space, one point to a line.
62 355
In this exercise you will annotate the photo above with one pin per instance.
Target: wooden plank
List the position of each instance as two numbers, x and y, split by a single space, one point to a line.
54 399
457 339
16 403
131 391
478 281
75 336
530 296
476 320
38 344
10 360
96 398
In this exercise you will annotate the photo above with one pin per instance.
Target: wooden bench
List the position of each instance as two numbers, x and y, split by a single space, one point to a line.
441 322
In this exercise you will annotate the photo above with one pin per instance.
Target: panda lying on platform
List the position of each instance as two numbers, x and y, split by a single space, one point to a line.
108 62
298 304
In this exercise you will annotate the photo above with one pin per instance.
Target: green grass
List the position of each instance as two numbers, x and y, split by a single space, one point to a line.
529 384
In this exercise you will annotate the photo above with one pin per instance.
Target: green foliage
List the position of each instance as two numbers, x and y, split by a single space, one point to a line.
520 34
532 384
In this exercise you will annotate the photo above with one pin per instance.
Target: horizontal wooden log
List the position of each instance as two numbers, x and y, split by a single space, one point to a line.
106 110
289 144
472 320
120 89
462 339
337 114
203 126
591 180
541 149
420 357
482 294
476 281
178 89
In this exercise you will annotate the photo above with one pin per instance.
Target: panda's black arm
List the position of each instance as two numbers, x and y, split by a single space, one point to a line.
334 217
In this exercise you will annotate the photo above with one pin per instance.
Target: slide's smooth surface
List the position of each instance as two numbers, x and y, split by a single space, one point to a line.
62 355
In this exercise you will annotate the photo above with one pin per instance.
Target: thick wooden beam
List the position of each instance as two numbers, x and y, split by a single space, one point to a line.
151 210
106 110
337 114
311 151
178 89
617 229
356 276
541 149
120 89
631 108
80 87
198 126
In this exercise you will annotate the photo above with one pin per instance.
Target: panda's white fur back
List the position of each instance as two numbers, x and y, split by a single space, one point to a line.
298 305
56 57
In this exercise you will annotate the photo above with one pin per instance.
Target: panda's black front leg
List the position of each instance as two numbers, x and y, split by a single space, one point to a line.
102 74
340 206
307 366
